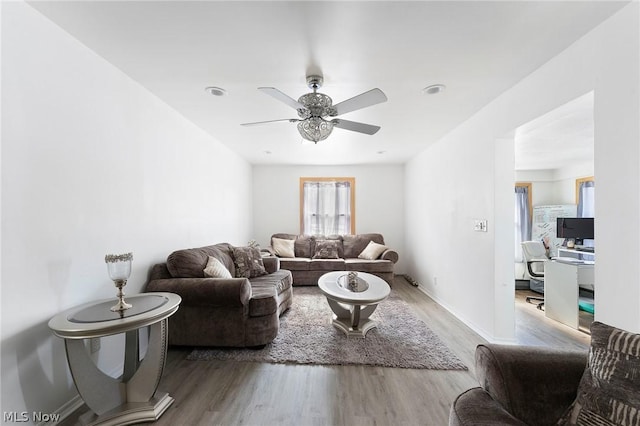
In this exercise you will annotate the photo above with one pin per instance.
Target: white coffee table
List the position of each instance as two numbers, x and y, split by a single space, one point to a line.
351 308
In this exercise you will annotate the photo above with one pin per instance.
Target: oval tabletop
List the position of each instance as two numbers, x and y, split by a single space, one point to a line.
378 289
95 319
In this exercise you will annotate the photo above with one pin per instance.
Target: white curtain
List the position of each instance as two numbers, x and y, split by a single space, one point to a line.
587 203
326 208
522 220
586 199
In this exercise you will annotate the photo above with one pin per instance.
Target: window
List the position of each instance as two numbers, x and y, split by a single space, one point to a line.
523 210
585 196
327 206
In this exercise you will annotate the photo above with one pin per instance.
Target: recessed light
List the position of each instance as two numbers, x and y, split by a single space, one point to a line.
216 91
434 89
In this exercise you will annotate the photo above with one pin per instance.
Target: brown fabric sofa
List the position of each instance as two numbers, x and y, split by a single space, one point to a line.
306 270
538 386
519 385
237 312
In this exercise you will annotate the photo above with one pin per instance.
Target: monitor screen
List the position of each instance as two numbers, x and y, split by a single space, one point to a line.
579 228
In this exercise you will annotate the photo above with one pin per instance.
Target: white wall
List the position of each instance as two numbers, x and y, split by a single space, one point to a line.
92 163
453 182
379 200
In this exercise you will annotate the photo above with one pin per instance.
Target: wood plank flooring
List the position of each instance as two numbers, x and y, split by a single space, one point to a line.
236 393
533 328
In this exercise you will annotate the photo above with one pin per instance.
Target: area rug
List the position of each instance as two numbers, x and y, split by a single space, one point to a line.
306 336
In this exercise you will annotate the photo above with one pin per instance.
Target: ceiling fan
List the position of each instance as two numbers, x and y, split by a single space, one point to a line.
314 108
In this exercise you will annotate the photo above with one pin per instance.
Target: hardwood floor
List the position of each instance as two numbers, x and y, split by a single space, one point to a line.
533 328
244 393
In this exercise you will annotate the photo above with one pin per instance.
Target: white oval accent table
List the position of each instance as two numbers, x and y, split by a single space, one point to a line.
352 308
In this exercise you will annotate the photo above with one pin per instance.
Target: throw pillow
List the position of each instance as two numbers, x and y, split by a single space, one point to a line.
215 269
609 393
326 249
372 251
248 262
282 247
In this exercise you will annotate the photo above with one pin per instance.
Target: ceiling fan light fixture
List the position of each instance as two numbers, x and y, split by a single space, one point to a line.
314 108
434 89
315 129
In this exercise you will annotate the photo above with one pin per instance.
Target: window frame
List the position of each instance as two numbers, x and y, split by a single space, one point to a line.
352 186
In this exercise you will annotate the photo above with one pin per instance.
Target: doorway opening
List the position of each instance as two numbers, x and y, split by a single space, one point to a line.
554 156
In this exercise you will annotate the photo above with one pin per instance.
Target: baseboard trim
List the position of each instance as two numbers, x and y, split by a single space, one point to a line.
65 411
482 333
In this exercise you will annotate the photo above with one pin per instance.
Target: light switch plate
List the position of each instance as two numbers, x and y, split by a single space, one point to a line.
480 225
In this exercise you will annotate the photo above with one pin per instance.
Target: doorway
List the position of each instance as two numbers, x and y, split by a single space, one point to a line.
552 154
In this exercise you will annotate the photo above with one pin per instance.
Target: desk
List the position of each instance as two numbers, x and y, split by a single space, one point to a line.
575 253
561 289
132 398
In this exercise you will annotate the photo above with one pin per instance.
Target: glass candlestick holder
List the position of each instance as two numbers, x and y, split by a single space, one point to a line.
119 268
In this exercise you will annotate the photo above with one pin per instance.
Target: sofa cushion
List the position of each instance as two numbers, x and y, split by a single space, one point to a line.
326 249
354 244
271 263
283 247
609 392
266 290
248 262
337 239
304 246
372 251
215 269
295 263
263 301
327 265
190 263
281 280
364 265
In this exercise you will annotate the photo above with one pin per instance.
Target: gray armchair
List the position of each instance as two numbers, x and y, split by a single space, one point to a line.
519 385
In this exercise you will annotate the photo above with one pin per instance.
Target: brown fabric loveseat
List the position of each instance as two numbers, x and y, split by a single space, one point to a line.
308 262
520 385
538 386
234 312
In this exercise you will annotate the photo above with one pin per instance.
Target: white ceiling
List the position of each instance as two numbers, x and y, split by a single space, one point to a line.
561 138
477 49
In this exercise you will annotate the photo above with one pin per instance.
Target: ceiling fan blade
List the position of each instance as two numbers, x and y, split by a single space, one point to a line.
257 123
363 100
354 126
272 91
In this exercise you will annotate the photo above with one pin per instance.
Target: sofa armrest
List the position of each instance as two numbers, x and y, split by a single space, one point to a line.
475 407
271 264
534 384
206 291
391 255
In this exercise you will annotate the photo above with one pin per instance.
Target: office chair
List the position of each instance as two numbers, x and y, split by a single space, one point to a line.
535 254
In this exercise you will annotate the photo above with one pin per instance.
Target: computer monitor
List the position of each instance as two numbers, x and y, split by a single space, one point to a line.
576 228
